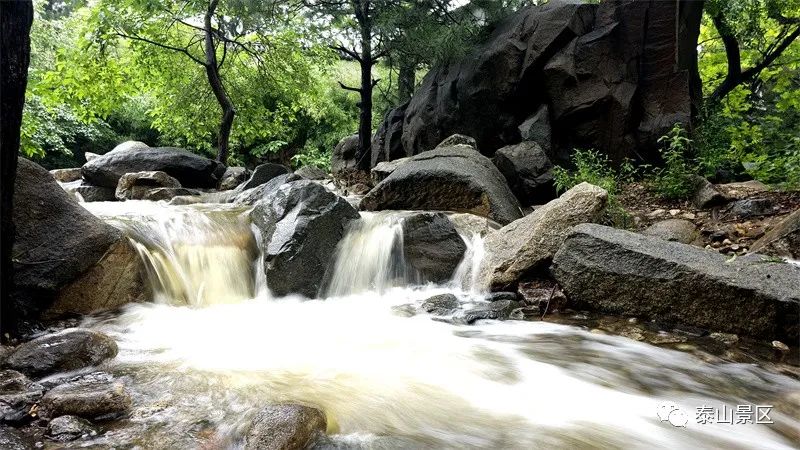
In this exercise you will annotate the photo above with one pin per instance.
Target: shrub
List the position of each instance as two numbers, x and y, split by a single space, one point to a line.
674 180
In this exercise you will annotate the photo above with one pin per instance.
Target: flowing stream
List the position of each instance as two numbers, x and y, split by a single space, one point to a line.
214 347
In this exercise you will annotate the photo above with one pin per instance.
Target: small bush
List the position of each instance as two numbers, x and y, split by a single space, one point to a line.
674 180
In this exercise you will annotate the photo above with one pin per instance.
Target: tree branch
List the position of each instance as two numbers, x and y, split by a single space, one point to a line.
349 88
346 51
185 51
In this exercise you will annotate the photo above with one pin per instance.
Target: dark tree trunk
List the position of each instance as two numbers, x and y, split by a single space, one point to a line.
212 72
16 17
406 78
365 105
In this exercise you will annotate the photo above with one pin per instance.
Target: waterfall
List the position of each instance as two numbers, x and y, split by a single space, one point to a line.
193 255
370 256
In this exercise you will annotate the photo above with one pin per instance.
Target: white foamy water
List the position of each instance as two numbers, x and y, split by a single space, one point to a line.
199 370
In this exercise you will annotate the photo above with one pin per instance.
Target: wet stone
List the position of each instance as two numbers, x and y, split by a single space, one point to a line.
91 399
70 349
499 310
70 428
12 439
18 395
440 305
285 427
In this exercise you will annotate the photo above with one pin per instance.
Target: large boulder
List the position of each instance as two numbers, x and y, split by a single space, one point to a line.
432 246
59 243
67 350
528 171
613 76
262 174
189 169
627 273
285 427
782 239
301 224
344 154
136 185
455 178
529 243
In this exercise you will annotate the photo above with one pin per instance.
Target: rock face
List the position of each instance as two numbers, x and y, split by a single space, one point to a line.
455 178
432 246
301 223
233 176
70 349
58 242
90 399
189 169
136 185
677 230
528 243
528 171
285 427
613 76
66 175
344 155
783 239
263 173
626 273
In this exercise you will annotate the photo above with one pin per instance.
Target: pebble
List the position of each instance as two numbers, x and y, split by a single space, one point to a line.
727 242
674 212
656 213
689 216
780 346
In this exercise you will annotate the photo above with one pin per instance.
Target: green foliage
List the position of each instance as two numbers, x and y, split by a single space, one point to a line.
674 180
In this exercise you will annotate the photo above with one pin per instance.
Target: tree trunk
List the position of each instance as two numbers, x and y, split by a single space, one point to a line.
406 78
16 17
214 80
365 119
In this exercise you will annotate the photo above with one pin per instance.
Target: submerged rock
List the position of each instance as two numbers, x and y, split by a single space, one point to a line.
58 242
90 399
285 427
189 169
70 428
455 178
783 239
301 224
496 310
66 175
432 246
67 350
629 274
136 185
18 395
528 171
168 193
529 243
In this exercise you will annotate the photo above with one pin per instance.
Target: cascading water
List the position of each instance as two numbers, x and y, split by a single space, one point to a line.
210 352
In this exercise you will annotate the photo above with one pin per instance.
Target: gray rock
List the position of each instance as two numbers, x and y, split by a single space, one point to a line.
528 171
677 230
706 195
752 207
70 428
251 196
233 177
458 139
168 193
89 193
537 128
497 296
782 239
497 310
285 427
189 169
18 395
311 173
263 174
529 243
344 154
432 246
66 175
134 186
472 224
301 224
453 178
57 242
90 156
66 350
13 439
441 305
89 399
128 146
626 273
385 168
